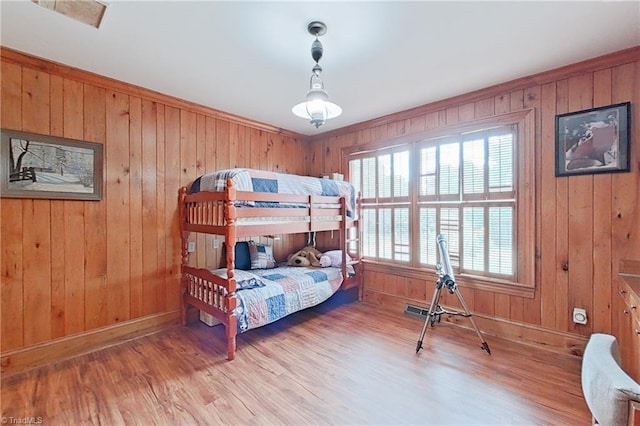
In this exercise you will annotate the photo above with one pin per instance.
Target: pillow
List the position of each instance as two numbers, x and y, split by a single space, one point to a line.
243 258
261 256
244 279
336 257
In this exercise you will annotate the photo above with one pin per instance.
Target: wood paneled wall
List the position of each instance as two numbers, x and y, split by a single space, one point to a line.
590 222
69 267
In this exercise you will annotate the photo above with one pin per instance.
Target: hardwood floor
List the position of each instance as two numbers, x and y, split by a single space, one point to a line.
339 363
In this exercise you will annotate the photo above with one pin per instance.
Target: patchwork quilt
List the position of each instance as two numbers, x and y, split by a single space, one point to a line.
286 290
280 183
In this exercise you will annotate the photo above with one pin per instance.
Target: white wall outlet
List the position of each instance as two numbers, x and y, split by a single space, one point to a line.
191 247
579 316
216 243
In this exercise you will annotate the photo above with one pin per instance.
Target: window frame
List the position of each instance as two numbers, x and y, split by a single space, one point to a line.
461 201
523 123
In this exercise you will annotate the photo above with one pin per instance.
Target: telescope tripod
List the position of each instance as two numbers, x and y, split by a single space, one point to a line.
436 311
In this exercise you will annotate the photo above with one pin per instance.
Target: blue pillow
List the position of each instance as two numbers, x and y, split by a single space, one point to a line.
243 258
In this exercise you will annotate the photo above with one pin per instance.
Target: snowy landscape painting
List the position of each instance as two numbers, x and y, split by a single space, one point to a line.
38 166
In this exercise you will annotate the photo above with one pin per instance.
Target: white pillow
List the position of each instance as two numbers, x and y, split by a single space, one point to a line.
261 256
336 257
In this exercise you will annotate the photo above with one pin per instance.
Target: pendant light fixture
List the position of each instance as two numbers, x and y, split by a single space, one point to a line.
317 108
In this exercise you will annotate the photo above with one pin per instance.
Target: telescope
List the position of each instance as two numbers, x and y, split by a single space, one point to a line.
447 280
445 271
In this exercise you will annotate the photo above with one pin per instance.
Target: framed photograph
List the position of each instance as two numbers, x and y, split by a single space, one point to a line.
39 166
593 141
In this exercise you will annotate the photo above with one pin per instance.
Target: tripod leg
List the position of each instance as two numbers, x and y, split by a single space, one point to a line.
485 345
432 309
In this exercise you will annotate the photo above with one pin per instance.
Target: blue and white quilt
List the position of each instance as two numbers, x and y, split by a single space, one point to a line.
286 290
281 183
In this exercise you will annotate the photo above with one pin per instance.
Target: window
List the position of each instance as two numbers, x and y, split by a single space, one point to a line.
383 180
466 192
464 186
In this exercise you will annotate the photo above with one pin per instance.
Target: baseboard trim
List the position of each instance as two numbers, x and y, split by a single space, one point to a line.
57 350
527 334
553 340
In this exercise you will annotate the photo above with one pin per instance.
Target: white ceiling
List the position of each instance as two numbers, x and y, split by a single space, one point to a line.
253 58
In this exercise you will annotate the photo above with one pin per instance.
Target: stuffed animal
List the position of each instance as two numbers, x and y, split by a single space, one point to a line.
308 256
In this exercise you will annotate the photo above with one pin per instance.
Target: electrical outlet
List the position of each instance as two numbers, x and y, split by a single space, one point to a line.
216 243
579 316
191 247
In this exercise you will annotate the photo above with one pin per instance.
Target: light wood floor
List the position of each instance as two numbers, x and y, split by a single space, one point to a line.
340 363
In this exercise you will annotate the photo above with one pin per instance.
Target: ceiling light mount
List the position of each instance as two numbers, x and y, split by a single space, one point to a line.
317 108
317 28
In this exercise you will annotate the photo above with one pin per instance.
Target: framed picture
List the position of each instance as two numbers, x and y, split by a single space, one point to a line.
593 141
38 166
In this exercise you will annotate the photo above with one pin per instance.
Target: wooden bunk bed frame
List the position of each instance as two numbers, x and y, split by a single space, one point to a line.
218 213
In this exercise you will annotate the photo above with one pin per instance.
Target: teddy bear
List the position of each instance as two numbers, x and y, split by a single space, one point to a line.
308 256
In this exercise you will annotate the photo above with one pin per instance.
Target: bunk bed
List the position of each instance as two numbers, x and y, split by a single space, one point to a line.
239 204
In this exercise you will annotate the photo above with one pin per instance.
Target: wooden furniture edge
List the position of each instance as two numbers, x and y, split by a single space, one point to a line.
634 413
553 340
38 355
629 267
629 292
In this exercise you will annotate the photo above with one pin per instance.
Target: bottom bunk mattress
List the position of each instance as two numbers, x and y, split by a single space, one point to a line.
276 293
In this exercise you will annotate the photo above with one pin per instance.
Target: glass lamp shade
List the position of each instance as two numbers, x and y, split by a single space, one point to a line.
317 108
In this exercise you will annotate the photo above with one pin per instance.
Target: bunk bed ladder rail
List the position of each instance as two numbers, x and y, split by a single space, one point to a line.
351 246
230 235
184 239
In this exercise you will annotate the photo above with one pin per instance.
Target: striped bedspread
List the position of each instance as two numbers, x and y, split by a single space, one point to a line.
286 290
281 183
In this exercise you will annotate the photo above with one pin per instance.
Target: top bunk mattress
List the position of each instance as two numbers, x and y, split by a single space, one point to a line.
252 180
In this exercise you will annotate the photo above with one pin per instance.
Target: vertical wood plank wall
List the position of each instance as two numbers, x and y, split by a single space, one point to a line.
590 221
69 267
73 266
